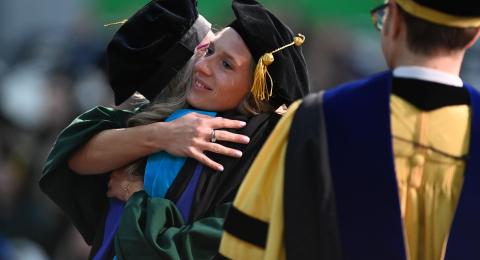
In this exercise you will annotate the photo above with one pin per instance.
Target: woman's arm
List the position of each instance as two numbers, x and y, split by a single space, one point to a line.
188 136
114 148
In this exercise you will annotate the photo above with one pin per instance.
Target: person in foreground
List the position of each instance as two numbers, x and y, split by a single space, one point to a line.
387 167
180 213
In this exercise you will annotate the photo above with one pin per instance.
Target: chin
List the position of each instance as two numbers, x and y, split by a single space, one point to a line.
199 104
206 104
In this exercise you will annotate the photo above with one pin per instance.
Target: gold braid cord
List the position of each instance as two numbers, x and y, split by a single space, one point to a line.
260 89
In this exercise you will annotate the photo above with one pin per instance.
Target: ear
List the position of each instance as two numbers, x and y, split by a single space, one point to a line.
397 24
474 39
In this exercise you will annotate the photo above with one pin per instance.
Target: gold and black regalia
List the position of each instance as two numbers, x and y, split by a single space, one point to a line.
382 168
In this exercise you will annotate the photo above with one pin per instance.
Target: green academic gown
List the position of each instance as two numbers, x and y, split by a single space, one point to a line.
81 197
150 228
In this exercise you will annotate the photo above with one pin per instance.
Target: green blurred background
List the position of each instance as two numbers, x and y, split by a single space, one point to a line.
352 12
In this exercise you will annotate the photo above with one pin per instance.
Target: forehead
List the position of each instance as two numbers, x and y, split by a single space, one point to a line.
230 42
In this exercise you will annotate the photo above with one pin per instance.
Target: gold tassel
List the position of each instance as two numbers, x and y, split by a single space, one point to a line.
115 23
260 89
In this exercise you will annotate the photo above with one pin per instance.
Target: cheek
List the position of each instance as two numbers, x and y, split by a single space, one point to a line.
191 97
229 92
236 90
204 100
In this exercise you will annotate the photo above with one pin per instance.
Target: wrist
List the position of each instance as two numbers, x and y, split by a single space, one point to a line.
157 136
132 188
138 186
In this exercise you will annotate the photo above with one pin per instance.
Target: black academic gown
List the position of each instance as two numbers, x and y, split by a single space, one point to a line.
169 236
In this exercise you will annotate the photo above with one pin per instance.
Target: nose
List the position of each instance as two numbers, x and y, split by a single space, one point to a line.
203 66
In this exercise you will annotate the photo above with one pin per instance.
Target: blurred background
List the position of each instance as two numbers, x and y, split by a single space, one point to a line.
52 69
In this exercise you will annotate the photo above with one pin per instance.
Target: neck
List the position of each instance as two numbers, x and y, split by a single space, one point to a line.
446 62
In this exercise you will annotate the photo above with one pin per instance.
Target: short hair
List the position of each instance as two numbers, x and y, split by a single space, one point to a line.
424 37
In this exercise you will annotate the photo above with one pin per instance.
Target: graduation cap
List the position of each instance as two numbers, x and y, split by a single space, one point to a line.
152 46
458 13
280 73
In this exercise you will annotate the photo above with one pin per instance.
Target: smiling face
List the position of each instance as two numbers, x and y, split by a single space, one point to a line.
222 77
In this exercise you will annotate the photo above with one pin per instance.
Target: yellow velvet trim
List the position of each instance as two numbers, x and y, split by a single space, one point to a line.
438 17
235 248
261 196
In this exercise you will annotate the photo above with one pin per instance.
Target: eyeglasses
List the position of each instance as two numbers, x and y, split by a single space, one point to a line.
378 15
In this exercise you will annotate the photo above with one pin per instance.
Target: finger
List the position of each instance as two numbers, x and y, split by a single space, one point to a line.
220 122
231 137
220 149
202 158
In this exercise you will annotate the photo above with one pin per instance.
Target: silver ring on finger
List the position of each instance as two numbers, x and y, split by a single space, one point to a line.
213 137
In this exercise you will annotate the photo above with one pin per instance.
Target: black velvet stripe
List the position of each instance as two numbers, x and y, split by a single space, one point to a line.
182 180
246 228
220 257
427 96
310 216
462 8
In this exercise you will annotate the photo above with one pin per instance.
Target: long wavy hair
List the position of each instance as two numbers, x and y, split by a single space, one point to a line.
174 97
